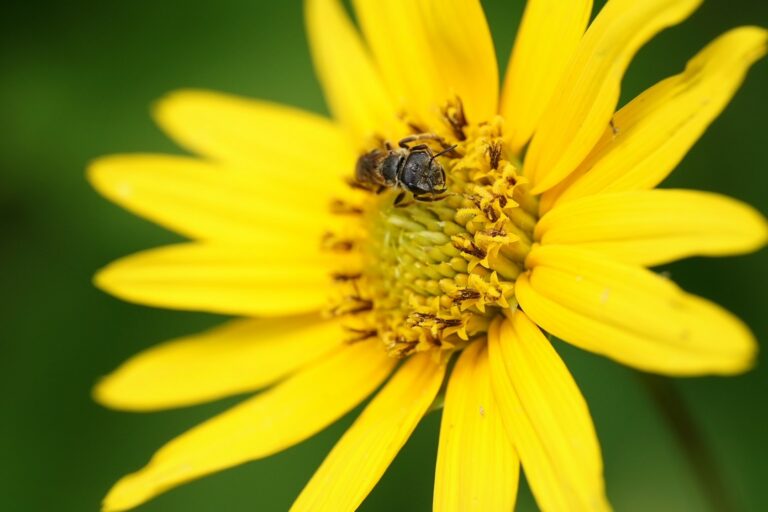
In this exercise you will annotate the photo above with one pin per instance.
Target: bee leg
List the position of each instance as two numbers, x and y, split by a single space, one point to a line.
430 199
422 147
401 202
421 136
429 136
382 142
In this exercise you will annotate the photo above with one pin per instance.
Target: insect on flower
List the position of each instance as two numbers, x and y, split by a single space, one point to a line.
414 169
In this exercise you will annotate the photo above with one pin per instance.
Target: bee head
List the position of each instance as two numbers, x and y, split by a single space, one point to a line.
423 175
436 177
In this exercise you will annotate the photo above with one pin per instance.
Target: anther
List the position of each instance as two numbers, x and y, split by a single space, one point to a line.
494 154
332 242
356 185
341 277
362 334
352 306
490 212
468 247
464 295
448 322
453 115
341 207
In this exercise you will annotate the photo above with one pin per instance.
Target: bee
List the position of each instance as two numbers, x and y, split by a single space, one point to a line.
413 169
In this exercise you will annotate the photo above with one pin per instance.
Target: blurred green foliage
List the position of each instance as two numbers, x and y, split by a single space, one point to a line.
76 81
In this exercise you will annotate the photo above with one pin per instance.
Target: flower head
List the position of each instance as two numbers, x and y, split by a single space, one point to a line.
435 220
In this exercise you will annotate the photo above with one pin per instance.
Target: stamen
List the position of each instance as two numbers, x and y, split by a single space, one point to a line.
453 115
341 207
494 154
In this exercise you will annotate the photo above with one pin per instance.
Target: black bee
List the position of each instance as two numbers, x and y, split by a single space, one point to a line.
414 169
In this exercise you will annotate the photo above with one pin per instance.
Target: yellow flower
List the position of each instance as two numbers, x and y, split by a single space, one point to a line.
547 222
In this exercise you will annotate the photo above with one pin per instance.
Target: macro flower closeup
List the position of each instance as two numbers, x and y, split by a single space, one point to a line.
423 247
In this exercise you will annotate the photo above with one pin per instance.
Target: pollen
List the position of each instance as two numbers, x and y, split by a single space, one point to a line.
436 271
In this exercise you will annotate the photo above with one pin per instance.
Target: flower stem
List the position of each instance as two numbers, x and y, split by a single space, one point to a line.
701 460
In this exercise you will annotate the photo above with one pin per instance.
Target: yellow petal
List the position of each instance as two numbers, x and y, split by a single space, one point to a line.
260 135
268 423
654 131
631 315
432 51
546 418
477 467
361 456
546 41
353 88
651 227
248 281
587 95
240 356
203 201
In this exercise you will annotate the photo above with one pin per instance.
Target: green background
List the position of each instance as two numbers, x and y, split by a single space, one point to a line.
76 81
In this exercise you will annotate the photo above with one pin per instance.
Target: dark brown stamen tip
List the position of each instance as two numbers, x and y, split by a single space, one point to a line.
464 295
490 212
356 185
453 115
331 242
494 154
361 334
341 277
341 207
470 248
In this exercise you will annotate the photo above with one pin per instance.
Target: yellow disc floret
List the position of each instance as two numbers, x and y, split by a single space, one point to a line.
436 272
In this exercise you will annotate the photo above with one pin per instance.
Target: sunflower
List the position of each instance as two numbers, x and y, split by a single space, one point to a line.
425 244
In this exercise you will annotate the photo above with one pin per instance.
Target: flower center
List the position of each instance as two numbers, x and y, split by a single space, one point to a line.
437 266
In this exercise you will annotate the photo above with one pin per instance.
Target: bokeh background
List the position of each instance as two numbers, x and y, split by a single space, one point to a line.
77 79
